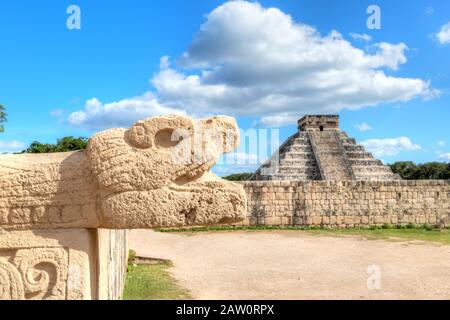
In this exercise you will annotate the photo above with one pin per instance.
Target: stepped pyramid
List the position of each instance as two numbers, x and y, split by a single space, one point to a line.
320 151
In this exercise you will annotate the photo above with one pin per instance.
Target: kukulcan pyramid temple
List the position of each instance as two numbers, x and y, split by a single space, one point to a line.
321 151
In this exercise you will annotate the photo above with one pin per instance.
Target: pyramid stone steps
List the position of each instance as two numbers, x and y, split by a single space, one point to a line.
294 177
301 140
298 155
295 161
377 176
296 148
369 169
291 168
351 147
359 155
349 141
329 154
290 164
365 162
298 162
297 169
299 174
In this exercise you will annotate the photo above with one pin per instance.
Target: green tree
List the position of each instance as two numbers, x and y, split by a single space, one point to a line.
404 168
2 117
71 144
239 176
426 171
432 171
37 147
63 145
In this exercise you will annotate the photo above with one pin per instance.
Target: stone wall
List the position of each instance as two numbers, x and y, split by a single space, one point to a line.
347 203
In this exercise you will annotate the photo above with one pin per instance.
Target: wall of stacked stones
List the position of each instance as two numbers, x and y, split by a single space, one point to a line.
347 203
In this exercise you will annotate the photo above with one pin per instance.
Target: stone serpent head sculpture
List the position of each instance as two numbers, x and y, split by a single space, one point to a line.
155 174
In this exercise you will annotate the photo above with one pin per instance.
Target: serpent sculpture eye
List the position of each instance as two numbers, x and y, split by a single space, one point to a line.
139 137
167 138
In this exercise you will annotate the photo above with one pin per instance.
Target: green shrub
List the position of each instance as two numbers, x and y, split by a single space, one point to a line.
131 256
62 145
408 170
239 176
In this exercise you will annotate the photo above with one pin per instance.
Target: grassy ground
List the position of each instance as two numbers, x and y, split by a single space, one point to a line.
386 232
442 237
152 282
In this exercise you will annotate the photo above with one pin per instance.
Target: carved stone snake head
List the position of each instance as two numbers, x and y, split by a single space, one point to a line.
164 162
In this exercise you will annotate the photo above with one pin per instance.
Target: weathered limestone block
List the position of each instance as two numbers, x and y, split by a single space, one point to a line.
54 207
46 264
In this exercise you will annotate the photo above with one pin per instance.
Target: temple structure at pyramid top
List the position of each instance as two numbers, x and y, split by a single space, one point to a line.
321 151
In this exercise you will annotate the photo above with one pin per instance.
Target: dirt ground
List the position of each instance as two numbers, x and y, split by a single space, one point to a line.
297 265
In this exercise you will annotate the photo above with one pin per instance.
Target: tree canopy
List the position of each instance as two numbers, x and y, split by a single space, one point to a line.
2 117
239 176
62 145
408 170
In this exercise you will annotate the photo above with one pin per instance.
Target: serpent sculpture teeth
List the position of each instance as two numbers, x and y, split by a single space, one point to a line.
155 174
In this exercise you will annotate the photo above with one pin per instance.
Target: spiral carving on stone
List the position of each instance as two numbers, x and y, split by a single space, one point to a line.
44 272
11 285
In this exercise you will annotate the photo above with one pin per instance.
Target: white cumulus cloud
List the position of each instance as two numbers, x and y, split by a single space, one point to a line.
441 143
444 156
247 60
11 146
363 127
443 36
390 146
97 115
363 37
276 120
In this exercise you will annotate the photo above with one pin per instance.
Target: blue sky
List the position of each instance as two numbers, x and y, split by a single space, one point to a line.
266 66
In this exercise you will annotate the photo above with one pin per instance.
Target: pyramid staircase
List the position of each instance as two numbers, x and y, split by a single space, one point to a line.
330 155
294 160
362 163
320 151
